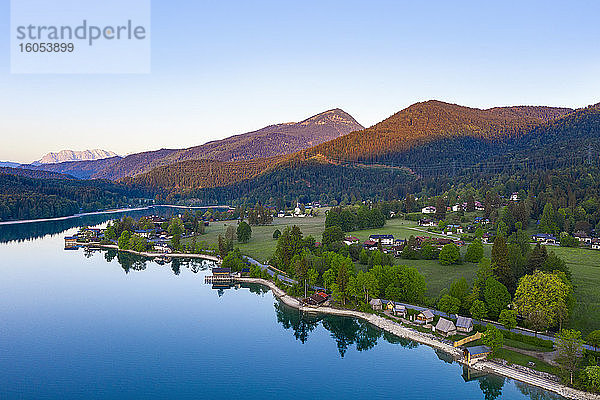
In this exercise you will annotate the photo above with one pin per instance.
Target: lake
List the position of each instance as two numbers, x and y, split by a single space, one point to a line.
108 325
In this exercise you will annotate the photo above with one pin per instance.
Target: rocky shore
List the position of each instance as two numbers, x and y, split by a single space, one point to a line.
430 340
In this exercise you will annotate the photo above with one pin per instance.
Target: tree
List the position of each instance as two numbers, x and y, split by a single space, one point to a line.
440 208
459 289
123 241
591 377
478 310
363 257
508 318
474 251
593 339
539 296
450 254
548 220
244 232
332 234
448 304
313 276
496 297
501 263
276 234
570 350
175 229
493 338
368 284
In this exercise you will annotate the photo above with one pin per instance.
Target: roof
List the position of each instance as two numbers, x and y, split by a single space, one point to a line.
382 236
476 350
351 238
464 322
370 243
399 307
427 314
221 270
444 325
375 302
544 236
70 237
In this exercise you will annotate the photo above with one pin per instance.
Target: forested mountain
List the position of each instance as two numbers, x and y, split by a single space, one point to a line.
34 173
273 140
23 197
414 133
516 148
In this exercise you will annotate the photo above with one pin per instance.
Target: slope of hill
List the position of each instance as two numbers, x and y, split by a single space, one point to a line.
70 155
38 174
431 121
273 140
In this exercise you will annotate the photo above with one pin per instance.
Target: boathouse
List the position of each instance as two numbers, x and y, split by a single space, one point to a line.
475 353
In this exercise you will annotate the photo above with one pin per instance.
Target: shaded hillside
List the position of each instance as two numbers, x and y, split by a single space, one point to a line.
78 169
197 174
432 121
569 140
24 197
273 140
34 173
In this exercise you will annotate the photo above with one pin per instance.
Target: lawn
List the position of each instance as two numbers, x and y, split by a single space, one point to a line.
585 267
262 245
522 359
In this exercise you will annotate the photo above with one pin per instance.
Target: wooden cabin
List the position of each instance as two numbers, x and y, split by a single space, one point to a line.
399 311
376 304
425 317
445 327
464 324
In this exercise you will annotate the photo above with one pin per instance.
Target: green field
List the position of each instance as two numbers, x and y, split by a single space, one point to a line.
584 263
585 267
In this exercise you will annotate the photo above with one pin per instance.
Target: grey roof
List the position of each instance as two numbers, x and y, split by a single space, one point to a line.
427 314
476 350
375 302
444 325
399 307
464 322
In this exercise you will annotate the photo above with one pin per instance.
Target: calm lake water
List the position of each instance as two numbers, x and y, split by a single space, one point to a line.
102 325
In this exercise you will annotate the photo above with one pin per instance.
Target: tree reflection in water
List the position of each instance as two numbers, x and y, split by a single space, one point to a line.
536 393
491 386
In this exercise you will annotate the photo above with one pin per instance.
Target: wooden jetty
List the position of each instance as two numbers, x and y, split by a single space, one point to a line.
220 276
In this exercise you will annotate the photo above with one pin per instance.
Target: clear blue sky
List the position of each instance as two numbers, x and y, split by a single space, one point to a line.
227 67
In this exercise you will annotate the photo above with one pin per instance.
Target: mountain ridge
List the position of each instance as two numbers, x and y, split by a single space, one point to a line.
74 155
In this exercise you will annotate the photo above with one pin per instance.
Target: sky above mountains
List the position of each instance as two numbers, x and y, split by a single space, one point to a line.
223 68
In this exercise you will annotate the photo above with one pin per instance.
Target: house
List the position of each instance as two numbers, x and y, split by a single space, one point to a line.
385 240
456 207
376 304
399 311
427 222
425 317
348 240
70 242
479 206
582 237
487 238
514 196
428 210
544 238
146 233
595 244
481 220
390 305
445 327
370 245
454 229
475 353
316 299
162 247
464 324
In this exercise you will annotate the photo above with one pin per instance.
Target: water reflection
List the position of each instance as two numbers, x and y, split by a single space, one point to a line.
35 230
346 332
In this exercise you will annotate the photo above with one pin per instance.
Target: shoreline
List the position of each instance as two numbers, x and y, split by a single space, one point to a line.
115 211
404 332
151 255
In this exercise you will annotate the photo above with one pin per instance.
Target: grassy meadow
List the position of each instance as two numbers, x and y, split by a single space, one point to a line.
584 263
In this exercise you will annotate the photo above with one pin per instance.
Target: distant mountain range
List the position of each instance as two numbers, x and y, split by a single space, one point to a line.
273 140
72 155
